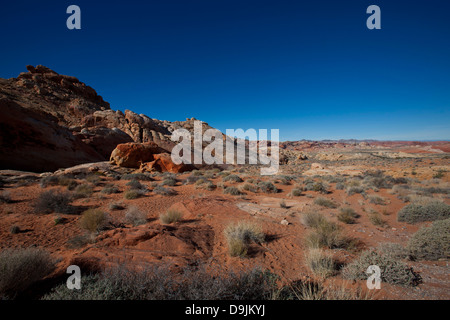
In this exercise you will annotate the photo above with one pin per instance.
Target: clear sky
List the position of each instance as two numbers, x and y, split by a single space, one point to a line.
309 68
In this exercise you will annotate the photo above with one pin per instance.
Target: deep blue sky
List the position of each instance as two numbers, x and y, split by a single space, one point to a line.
310 68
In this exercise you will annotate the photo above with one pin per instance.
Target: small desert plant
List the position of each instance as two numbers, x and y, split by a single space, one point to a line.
249 187
431 243
164 191
135 216
70 183
110 189
434 210
80 241
296 192
376 219
377 200
325 203
20 268
204 184
392 270
267 187
170 216
14 229
94 220
232 178
329 235
320 263
233 191
135 185
53 201
49 181
283 204
355 189
169 181
137 176
83 191
5 197
116 206
240 235
94 178
132 194
313 219
347 215
439 174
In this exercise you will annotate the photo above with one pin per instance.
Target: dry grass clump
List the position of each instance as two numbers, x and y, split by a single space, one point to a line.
232 178
53 201
135 216
377 200
83 191
327 234
232 191
347 215
169 181
110 189
376 219
170 216
313 219
325 203
431 243
132 194
431 211
204 184
392 269
20 268
296 192
94 220
267 187
240 235
320 263
164 191
249 187
135 185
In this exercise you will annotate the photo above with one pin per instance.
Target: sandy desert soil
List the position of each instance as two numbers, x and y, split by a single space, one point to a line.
199 235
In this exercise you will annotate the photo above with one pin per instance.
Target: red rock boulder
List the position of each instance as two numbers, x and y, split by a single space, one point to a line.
132 155
163 163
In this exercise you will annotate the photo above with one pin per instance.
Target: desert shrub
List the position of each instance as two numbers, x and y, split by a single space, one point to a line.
170 216
296 192
240 235
267 187
377 200
169 181
347 215
249 187
110 189
320 263
376 219
431 243
68 182
94 178
20 268
137 176
283 204
79 241
232 178
192 179
135 185
164 191
132 194
5 197
395 250
83 191
94 220
116 206
340 186
329 235
325 203
439 174
49 181
353 190
313 219
135 216
434 210
158 283
205 185
14 229
53 201
232 191
393 270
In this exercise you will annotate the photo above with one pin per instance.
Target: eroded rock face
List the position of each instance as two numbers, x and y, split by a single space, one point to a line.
51 121
133 155
163 163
